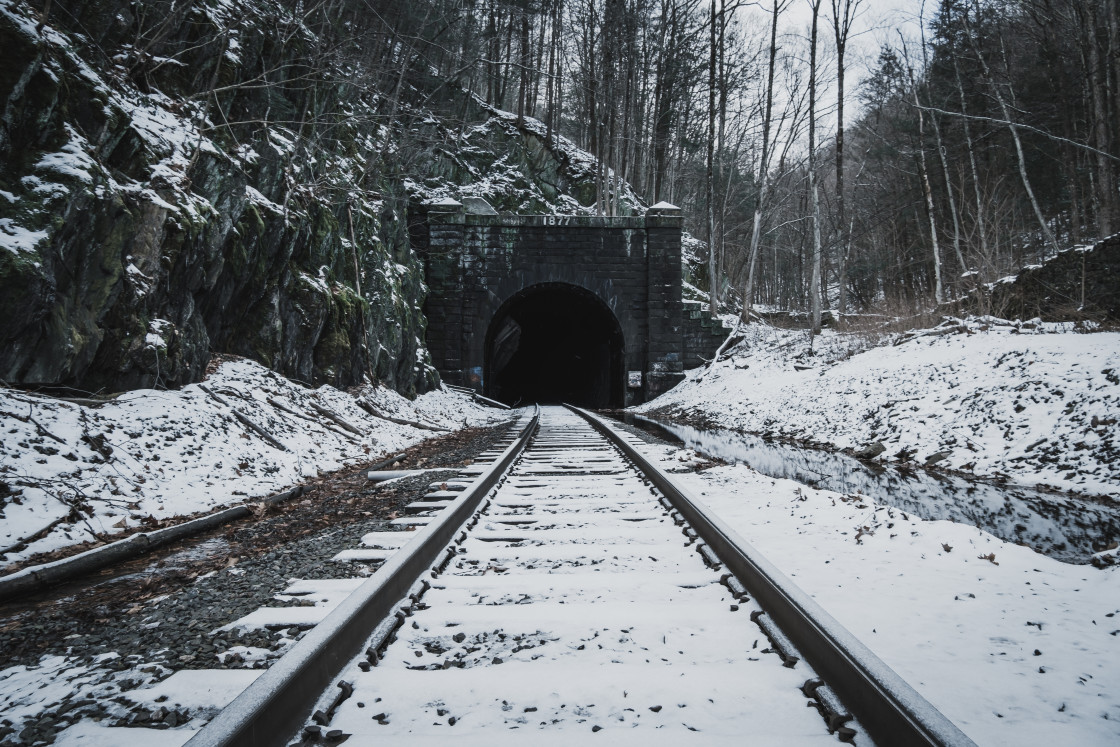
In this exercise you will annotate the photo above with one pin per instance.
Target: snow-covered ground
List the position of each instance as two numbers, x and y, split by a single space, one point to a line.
1035 403
71 473
1014 647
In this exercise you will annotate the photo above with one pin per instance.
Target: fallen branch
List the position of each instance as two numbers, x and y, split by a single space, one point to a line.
335 417
935 332
365 405
339 432
258 430
246 421
28 419
21 544
216 398
388 461
281 406
31 578
86 401
719 351
490 402
414 424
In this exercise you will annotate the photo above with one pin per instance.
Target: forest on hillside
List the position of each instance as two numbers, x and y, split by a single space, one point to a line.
828 159
983 137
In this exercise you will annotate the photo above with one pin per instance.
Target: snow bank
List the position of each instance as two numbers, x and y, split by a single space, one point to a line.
1036 403
71 473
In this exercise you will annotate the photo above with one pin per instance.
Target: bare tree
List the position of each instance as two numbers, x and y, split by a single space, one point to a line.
814 195
981 208
844 13
713 259
763 181
943 157
923 175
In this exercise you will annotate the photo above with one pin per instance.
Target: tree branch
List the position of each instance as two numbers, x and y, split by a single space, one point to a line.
1006 123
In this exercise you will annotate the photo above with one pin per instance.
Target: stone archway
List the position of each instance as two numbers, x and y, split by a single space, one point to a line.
627 267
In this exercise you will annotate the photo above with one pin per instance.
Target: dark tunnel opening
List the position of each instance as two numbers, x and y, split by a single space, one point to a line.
555 343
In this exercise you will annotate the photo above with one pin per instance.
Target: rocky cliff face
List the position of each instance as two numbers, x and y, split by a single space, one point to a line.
514 165
182 178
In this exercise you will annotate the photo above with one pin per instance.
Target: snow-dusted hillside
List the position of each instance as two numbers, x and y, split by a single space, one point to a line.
511 163
1035 403
71 473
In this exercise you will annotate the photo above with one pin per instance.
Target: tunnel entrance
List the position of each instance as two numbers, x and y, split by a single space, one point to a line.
554 343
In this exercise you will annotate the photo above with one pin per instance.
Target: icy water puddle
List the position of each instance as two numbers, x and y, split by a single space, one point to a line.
1063 526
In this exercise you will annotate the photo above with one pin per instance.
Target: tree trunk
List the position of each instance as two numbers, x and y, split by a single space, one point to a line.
763 165
492 68
550 85
815 282
525 60
721 216
557 108
923 175
1098 75
941 152
535 74
981 209
841 215
713 263
843 15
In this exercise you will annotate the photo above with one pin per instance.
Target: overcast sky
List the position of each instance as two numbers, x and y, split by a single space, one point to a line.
878 22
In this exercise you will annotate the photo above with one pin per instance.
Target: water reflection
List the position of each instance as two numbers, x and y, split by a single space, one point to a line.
1062 526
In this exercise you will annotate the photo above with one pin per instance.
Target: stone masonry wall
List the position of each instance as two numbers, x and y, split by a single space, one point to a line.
475 263
702 335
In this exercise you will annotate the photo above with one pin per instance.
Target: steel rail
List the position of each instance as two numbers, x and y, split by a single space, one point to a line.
272 710
885 705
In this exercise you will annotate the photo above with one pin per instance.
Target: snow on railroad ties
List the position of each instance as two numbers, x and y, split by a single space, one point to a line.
189 691
27 691
533 634
1012 646
313 600
70 472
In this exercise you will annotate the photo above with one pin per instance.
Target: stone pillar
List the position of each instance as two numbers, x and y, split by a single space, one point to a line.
443 258
664 366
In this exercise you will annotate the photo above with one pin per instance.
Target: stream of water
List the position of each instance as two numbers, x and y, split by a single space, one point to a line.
1065 527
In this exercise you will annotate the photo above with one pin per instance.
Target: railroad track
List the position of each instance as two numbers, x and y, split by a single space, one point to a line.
569 588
